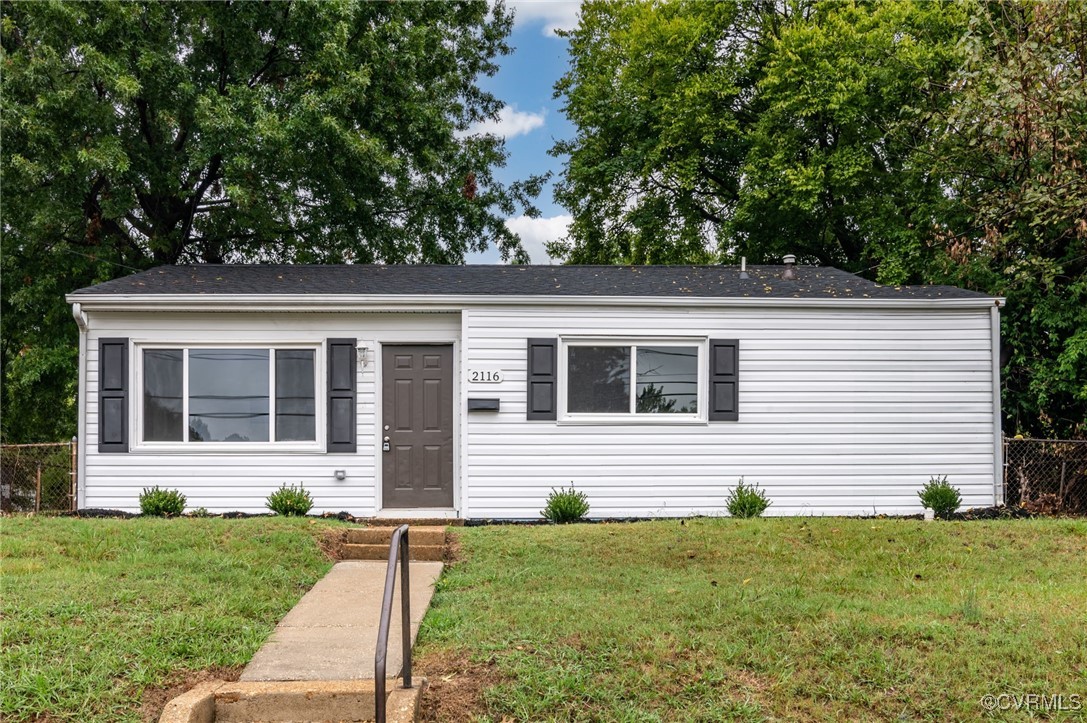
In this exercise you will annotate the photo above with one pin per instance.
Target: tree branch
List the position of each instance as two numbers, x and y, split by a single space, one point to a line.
209 178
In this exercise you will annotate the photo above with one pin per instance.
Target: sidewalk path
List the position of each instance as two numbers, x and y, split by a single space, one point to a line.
331 634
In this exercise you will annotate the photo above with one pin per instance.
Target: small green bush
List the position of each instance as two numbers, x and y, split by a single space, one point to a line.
200 512
156 502
940 497
289 501
746 500
565 505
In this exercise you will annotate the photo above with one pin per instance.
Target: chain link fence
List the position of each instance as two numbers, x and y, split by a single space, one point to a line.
1046 476
38 477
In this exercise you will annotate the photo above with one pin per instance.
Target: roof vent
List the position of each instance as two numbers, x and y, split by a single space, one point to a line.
790 267
743 268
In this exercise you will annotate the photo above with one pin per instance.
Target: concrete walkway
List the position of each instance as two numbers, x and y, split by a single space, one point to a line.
331 634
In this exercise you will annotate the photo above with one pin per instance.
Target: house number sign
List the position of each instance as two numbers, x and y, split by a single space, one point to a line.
480 375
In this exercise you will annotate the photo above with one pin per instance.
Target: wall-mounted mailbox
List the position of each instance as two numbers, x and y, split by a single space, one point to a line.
482 405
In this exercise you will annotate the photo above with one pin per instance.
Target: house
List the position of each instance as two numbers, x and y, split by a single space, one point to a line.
472 391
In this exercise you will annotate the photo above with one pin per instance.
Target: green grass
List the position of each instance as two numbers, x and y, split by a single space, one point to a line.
787 619
96 611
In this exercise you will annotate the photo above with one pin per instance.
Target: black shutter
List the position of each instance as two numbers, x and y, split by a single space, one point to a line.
112 395
542 384
724 378
341 395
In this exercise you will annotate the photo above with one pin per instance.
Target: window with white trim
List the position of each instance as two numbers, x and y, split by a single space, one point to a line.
237 394
640 379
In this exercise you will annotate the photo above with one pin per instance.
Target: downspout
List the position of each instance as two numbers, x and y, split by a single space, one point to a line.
80 317
998 436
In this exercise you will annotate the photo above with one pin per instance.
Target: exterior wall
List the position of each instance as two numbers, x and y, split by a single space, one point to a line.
241 480
841 412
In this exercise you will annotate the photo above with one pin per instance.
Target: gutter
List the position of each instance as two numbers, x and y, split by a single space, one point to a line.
347 303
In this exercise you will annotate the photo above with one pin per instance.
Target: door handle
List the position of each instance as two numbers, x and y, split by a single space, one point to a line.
385 446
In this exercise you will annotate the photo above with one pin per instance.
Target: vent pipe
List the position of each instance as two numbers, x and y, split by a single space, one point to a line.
790 267
743 268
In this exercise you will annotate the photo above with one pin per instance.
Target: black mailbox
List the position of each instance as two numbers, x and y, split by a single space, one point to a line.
482 405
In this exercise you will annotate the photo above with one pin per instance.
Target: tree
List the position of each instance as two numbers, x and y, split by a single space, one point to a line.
1014 156
659 95
713 130
138 134
839 166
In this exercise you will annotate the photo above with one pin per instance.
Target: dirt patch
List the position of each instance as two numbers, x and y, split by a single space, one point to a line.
456 684
998 512
331 542
454 553
154 699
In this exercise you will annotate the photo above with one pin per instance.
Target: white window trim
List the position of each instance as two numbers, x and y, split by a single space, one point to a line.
188 447
632 417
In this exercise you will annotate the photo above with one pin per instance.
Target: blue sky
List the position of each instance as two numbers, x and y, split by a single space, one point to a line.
532 121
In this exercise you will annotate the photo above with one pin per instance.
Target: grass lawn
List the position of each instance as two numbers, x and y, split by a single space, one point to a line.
97 614
787 619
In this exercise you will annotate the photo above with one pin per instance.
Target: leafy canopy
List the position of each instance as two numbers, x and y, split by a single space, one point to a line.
708 131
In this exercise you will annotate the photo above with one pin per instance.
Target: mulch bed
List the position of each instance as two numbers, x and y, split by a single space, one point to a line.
996 512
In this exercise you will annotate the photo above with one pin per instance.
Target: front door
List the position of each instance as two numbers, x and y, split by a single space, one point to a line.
417 424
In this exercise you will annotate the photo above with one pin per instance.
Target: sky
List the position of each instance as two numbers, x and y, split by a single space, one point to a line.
532 120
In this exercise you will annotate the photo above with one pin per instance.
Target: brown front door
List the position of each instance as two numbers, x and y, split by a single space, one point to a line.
417 424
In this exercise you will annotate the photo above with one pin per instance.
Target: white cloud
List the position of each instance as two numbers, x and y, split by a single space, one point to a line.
511 123
552 14
535 232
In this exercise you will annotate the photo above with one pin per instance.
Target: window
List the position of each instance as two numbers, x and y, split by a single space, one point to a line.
229 395
654 378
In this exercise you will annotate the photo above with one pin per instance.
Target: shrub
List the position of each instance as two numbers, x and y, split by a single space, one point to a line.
200 512
746 500
940 497
291 500
565 505
156 502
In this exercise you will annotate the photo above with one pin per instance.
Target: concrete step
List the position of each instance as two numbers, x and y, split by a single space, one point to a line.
295 701
357 551
383 535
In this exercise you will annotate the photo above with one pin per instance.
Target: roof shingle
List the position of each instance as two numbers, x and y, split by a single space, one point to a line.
419 280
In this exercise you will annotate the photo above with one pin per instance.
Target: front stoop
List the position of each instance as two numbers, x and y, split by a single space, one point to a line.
344 701
372 543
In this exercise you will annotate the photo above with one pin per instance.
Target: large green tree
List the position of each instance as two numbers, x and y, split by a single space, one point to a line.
1013 154
711 130
137 134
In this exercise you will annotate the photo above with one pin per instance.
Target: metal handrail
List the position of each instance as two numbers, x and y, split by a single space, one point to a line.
398 547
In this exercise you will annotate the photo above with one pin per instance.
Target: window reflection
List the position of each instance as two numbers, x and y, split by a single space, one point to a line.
296 406
162 391
667 380
228 395
599 379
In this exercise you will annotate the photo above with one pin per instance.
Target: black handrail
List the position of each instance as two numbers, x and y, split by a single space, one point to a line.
398 547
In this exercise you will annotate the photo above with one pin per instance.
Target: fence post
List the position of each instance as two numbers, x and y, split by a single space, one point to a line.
38 488
73 495
1060 495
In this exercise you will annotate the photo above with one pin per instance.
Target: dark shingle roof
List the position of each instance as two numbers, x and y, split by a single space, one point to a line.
647 281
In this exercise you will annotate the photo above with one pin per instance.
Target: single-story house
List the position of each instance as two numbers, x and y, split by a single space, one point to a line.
472 391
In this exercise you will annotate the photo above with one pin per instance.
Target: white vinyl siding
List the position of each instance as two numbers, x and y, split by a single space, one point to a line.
241 479
841 412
